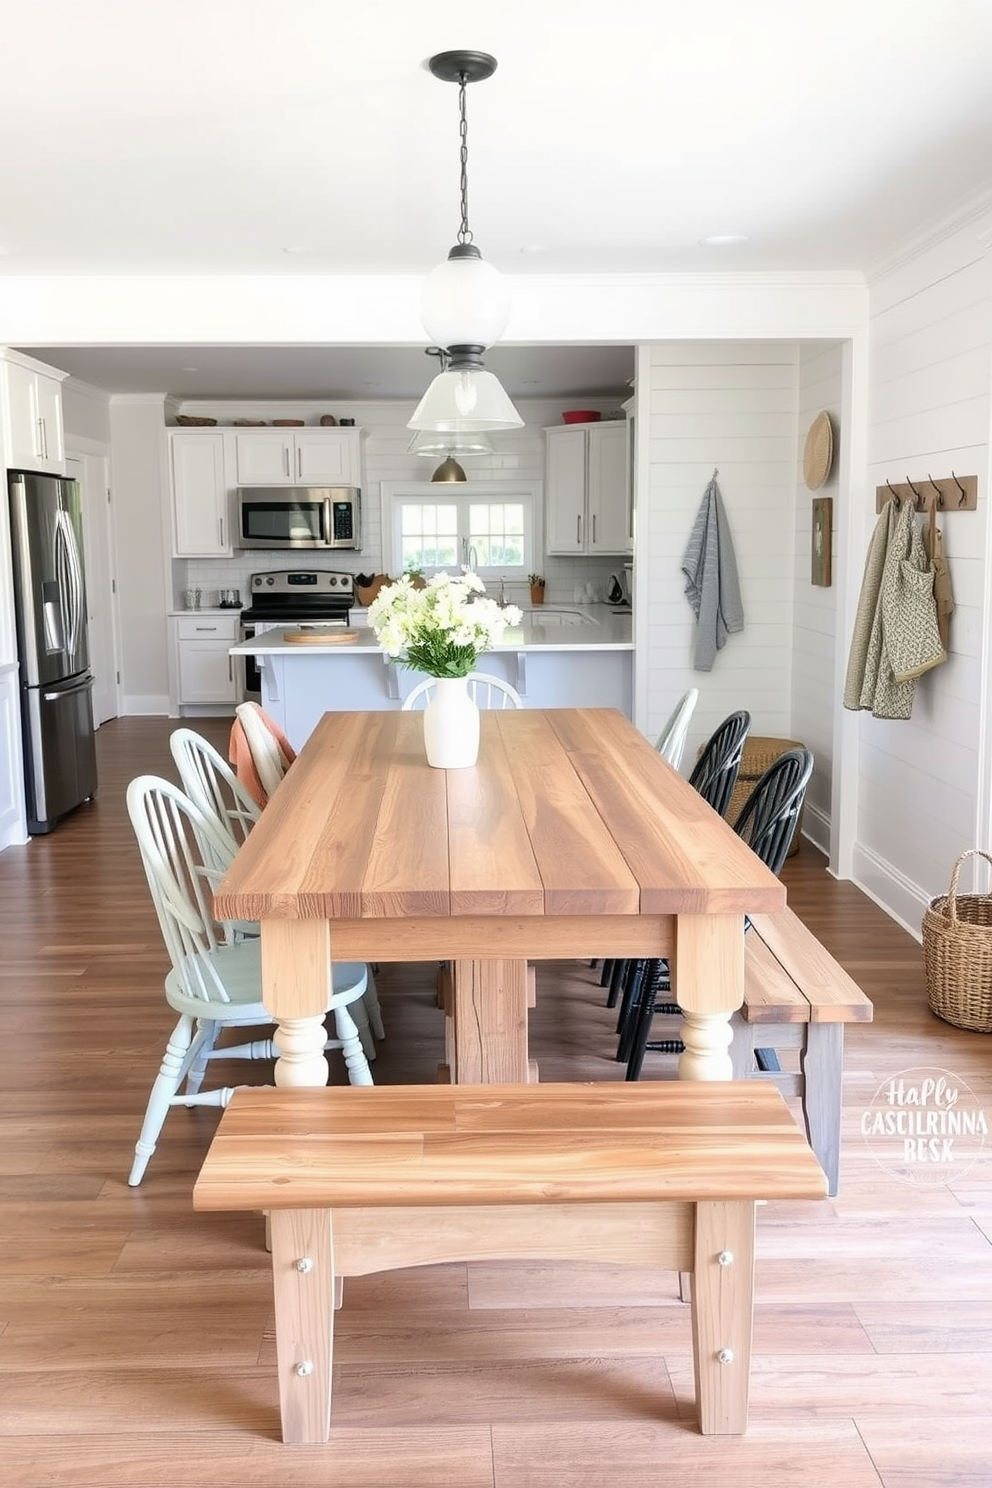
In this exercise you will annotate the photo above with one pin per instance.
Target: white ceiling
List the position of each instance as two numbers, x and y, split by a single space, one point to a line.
307 137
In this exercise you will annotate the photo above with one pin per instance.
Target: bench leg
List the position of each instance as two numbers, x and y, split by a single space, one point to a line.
722 1308
822 1064
304 1286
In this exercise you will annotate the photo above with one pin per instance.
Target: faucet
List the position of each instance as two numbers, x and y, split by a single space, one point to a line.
502 591
472 558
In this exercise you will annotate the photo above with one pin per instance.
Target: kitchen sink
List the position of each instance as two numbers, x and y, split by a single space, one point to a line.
552 615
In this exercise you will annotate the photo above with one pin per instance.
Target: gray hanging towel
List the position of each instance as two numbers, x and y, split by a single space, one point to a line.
712 586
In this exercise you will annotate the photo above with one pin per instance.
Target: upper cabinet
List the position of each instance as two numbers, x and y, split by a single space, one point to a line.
201 517
310 457
32 405
588 507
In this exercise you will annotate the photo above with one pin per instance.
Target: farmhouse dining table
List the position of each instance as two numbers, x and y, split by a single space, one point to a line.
571 837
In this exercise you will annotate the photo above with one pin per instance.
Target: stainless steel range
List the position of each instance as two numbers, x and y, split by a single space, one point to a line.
294 596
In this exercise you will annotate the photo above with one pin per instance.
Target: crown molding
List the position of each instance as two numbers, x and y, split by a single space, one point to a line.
972 210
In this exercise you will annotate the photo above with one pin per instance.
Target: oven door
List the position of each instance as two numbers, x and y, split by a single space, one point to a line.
249 678
284 519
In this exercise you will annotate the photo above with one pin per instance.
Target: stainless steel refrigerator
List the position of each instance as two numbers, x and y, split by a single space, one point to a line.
56 682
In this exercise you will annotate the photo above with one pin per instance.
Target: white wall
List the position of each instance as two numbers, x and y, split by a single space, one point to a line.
730 406
85 411
815 691
140 485
923 784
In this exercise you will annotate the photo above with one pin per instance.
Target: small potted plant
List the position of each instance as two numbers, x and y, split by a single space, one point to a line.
536 589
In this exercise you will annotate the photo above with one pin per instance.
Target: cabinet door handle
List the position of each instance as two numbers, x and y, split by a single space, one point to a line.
285 460
578 529
299 464
222 531
594 529
41 438
211 629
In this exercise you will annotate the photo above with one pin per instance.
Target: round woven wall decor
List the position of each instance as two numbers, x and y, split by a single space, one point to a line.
818 452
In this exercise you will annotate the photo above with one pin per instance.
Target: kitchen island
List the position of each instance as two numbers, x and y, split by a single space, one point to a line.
561 657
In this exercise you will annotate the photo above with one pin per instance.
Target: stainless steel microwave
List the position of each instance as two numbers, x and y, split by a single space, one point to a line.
299 517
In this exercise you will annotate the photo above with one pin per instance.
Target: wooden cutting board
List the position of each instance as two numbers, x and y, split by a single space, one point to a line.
321 637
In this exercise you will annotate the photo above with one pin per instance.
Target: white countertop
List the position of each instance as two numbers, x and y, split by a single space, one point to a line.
597 628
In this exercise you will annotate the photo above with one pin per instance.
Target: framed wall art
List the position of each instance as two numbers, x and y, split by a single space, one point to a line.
822 541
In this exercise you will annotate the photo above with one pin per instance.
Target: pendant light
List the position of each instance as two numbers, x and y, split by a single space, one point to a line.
464 304
448 470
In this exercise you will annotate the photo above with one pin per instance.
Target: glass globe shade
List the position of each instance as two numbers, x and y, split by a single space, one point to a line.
463 401
464 302
460 444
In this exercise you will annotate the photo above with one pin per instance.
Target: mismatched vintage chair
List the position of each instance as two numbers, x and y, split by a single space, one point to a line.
260 752
211 984
486 692
766 823
714 777
671 740
212 785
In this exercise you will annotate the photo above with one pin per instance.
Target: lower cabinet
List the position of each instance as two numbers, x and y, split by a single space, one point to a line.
204 669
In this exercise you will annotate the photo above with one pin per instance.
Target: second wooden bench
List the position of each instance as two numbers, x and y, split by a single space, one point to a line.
797 996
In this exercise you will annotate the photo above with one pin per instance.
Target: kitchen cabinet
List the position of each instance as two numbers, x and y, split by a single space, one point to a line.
587 504
309 457
33 417
204 669
201 519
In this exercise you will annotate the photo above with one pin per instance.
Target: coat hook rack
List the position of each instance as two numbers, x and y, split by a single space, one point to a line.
949 493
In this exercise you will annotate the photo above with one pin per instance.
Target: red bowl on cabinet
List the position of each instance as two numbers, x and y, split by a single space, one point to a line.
581 416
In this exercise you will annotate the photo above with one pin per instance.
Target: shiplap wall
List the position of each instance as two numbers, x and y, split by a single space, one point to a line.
519 456
920 790
814 636
732 406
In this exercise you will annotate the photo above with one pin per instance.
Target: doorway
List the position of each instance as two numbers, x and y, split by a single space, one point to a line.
90 467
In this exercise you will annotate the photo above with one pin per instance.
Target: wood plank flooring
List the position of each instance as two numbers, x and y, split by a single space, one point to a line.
136 1339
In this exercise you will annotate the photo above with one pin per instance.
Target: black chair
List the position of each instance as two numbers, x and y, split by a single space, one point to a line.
767 824
715 772
714 777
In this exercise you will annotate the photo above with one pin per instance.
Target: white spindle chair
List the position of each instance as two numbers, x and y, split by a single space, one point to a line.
671 740
211 985
212 785
486 692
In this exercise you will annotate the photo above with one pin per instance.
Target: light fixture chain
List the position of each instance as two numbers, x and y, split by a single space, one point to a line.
464 232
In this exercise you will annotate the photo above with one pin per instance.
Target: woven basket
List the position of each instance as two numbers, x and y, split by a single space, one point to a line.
758 756
957 954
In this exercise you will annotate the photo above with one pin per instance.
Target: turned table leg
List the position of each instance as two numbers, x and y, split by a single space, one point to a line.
296 989
708 985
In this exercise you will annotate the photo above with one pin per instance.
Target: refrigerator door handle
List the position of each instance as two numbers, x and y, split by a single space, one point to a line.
72 586
64 692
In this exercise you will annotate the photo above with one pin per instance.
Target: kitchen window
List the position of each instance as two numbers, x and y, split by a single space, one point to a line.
486 526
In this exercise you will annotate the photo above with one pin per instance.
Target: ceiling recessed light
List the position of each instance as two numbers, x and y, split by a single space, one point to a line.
533 248
294 251
189 369
722 240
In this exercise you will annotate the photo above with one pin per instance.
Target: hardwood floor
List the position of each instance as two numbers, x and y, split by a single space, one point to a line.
136 1341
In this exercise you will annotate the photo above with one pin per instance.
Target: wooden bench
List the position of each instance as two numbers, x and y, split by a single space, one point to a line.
364 1179
796 996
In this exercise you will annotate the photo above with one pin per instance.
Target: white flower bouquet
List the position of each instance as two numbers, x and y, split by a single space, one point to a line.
441 629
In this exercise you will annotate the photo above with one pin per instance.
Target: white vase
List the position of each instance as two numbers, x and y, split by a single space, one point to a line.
451 725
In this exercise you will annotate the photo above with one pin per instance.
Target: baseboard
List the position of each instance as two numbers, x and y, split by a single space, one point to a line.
816 828
904 901
135 705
